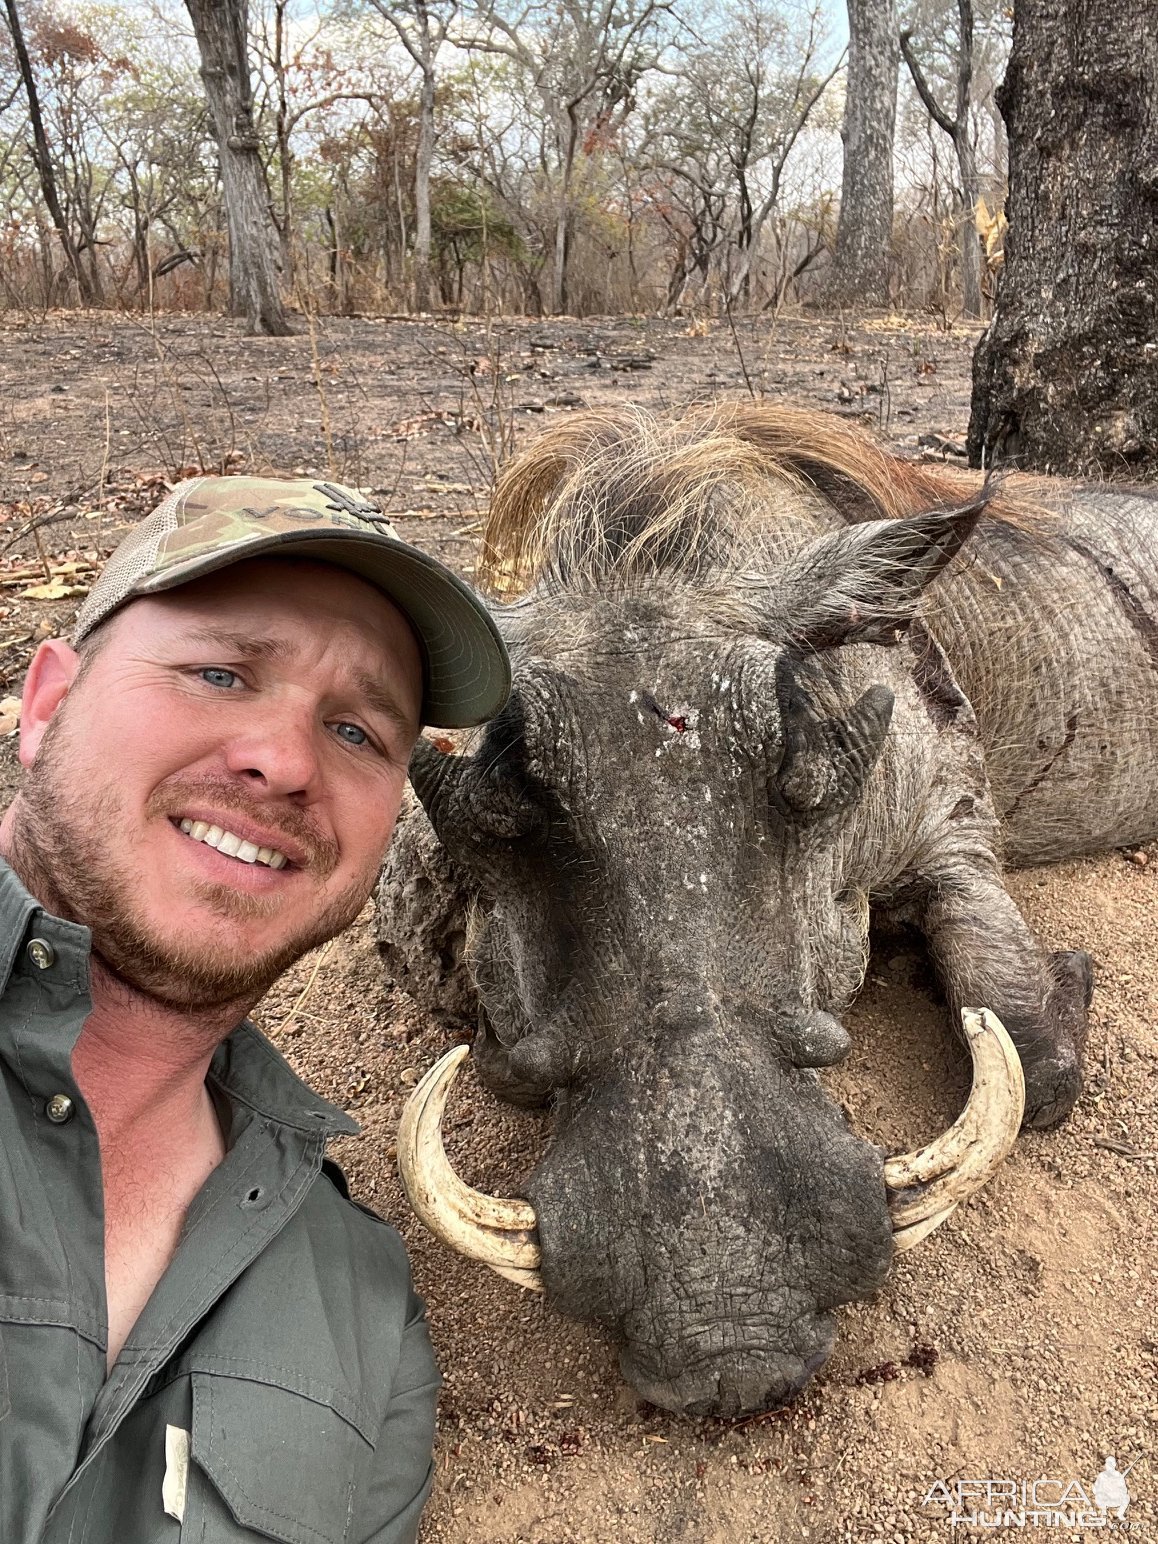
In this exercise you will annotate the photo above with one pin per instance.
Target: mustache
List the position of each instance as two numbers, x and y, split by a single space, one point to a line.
171 796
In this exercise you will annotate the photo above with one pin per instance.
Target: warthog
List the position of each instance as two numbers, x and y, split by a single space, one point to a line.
766 677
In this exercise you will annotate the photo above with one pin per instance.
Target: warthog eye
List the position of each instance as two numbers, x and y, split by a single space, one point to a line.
500 807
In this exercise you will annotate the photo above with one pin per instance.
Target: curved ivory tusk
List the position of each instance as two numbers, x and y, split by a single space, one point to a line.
501 1234
926 1185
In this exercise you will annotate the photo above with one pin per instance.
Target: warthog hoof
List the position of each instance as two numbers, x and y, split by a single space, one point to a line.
1053 1079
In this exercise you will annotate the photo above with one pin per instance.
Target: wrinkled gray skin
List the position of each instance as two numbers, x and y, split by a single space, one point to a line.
666 918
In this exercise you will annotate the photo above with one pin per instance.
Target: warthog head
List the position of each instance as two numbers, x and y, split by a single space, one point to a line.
654 834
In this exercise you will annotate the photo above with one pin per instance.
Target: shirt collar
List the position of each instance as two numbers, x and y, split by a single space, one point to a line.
246 1065
17 909
252 1071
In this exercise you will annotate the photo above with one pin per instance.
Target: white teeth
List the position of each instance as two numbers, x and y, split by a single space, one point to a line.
231 845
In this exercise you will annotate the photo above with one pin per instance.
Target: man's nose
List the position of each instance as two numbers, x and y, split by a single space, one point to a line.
279 753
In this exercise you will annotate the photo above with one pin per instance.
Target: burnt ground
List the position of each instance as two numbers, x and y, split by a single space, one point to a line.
1020 1340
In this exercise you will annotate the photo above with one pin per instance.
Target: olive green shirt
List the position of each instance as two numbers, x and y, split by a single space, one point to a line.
279 1383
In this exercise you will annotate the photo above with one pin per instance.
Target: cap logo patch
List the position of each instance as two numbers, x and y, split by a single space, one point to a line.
345 502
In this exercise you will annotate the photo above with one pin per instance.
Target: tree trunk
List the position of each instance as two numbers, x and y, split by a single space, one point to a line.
220 27
87 247
334 260
559 259
43 159
740 284
422 163
967 164
284 225
970 244
560 262
739 287
959 130
1066 377
864 234
141 227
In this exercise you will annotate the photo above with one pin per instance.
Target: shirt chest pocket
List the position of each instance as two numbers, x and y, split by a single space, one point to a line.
268 1462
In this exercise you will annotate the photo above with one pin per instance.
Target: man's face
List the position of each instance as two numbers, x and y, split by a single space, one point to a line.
277 703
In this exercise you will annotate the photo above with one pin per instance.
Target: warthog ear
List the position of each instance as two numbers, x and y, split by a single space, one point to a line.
862 584
825 761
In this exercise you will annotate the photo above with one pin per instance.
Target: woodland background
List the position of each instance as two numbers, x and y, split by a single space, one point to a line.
556 156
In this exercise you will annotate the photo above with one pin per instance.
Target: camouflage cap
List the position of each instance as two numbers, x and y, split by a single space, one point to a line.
208 523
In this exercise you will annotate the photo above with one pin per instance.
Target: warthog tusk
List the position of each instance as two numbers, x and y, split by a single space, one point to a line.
925 1186
501 1234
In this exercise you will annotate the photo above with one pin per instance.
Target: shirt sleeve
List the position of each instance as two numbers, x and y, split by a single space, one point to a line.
387 1508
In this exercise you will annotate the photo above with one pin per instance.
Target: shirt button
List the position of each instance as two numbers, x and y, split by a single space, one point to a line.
59 1109
41 953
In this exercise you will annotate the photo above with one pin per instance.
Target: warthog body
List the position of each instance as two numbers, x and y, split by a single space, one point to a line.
757 692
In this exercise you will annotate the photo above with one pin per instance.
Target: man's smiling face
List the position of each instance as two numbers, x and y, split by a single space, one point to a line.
213 792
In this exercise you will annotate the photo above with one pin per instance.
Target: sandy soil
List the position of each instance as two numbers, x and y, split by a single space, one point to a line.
1020 1341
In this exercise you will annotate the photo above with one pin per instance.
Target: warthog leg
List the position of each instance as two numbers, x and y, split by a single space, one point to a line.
985 953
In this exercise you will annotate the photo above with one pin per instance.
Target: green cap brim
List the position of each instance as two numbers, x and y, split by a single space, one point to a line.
468 673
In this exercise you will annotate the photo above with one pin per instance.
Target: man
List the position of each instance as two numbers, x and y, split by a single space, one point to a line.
201 1338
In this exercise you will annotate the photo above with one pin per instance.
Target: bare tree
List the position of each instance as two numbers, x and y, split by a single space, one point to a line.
504 155
723 134
298 76
691 197
221 30
422 30
1066 377
86 282
960 130
768 137
864 234
283 132
584 59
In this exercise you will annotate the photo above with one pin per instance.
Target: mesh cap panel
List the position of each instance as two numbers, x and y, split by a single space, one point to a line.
133 559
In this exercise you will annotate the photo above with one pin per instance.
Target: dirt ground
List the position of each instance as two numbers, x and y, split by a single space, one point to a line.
1020 1340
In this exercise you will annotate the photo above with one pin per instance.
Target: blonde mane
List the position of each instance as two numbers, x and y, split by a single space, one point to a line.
617 496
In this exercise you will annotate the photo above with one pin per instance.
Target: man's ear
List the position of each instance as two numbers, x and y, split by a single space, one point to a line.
52 671
862 584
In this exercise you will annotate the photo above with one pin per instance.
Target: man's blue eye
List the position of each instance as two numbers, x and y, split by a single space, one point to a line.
352 734
215 677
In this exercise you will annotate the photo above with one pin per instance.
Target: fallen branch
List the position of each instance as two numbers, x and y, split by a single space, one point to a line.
1123 1149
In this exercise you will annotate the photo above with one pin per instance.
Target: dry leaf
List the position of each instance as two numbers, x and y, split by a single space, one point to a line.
57 590
436 486
9 715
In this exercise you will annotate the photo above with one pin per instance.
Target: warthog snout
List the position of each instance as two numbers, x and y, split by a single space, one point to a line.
740 1381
